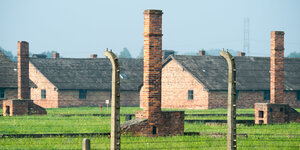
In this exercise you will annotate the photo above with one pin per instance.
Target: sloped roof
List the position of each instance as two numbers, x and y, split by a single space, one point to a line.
252 72
8 72
89 73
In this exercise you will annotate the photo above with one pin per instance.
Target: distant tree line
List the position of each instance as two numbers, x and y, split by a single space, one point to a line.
294 54
10 55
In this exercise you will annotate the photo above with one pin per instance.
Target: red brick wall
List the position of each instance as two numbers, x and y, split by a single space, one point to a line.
70 98
175 85
247 99
277 67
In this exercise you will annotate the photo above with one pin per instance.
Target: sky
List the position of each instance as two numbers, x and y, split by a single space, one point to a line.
78 28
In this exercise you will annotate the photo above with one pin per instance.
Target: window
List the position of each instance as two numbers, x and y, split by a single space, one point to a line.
2 93
237 95
82 94
43 94
298 95
267 95
190 94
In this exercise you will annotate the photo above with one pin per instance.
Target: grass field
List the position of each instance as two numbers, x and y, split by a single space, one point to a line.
285 136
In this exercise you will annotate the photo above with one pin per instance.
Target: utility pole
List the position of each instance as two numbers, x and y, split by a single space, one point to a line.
246 44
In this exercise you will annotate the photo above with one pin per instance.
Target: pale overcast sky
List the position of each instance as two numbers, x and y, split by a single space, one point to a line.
78 28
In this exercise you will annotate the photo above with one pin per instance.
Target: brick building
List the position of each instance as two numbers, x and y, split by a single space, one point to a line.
200 82
68 82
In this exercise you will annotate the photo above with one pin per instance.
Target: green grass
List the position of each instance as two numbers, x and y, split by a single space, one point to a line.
212 111
277 136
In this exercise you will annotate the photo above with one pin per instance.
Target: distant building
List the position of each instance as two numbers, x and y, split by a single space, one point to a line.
69 82
200 82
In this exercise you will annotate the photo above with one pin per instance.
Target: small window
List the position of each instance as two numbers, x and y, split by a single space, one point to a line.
298 95
82 94
2 93
190 94
43 94
267 95
237 95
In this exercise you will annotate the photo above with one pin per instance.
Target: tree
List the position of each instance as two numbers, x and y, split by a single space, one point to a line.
9 54
141 54
125 53
294 54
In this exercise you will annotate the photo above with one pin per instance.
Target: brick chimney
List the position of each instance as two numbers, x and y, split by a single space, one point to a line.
152 121
55 55
152 63
93 55
241 54
277 67
23 70
201 52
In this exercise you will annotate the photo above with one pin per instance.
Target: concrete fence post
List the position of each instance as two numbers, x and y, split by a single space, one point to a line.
115 143
86 144
231 115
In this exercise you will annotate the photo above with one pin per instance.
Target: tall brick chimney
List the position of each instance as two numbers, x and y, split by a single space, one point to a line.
23 70
241 54
55 55
277 67
152 63
152 121
201 52
93 55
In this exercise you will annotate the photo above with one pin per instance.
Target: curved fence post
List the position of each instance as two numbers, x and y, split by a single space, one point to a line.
231 115
115 143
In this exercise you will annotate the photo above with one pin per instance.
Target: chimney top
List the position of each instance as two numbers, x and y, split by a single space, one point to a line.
241 54
93 55
153 11
55 55
201 52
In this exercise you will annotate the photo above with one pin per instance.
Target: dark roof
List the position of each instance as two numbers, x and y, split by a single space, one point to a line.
89 73
8 72
252 72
